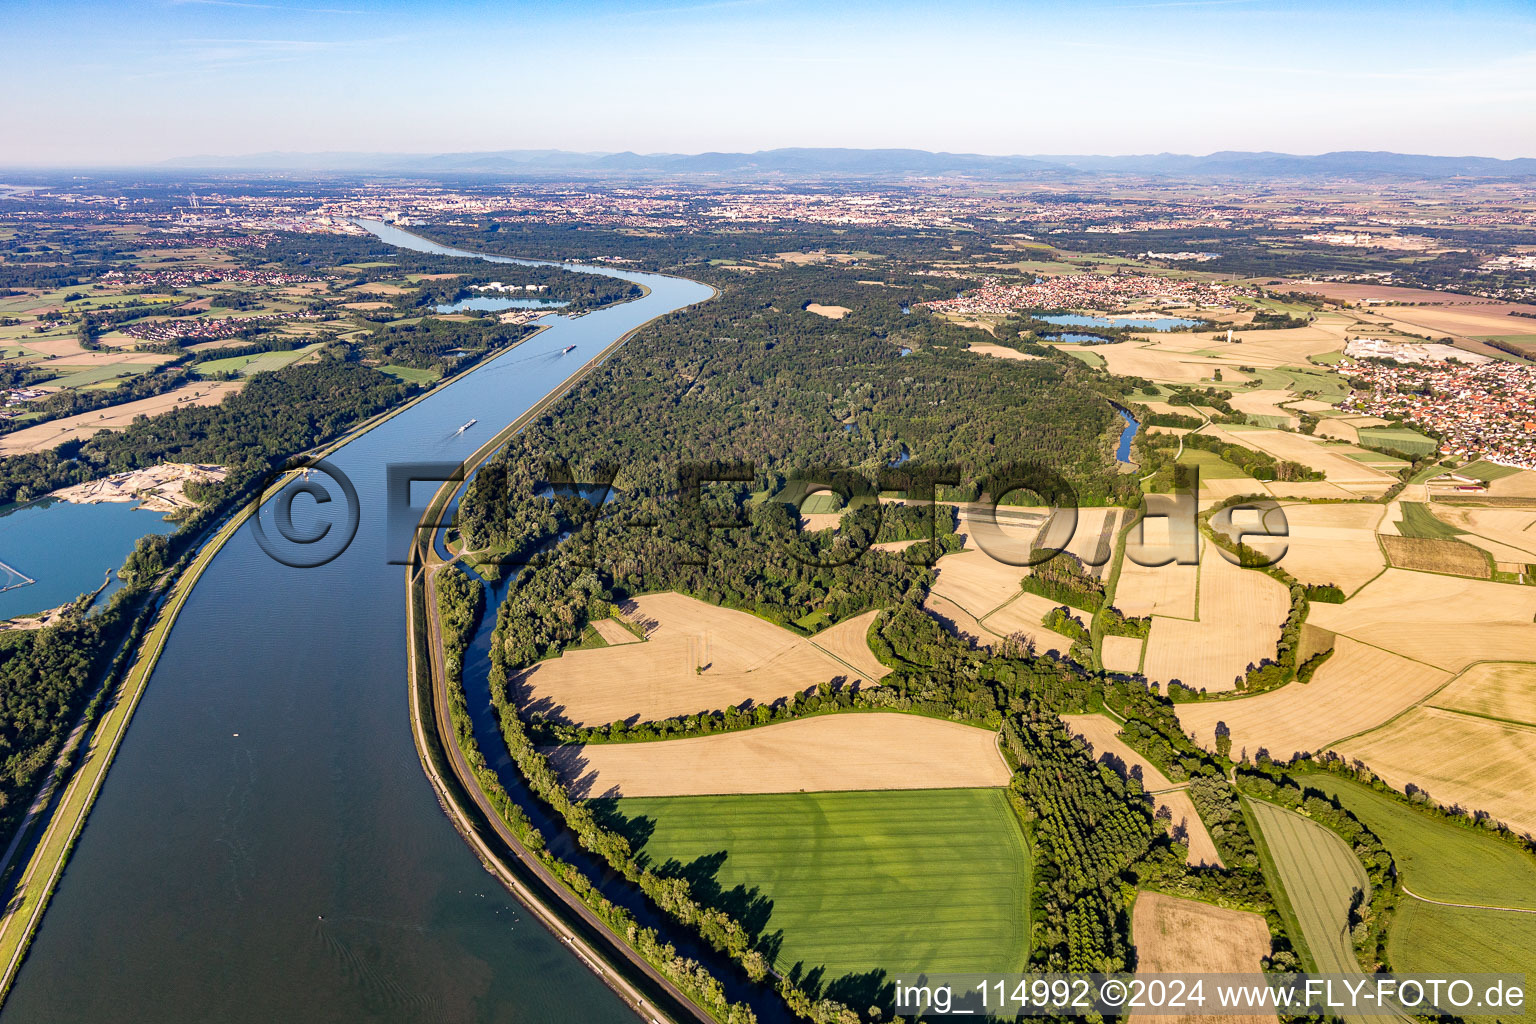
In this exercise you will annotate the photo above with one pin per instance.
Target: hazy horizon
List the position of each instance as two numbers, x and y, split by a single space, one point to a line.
97 84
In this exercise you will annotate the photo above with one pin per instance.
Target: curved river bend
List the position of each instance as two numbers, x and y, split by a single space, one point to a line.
266 846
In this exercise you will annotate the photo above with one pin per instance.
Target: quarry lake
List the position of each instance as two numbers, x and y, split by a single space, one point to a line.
67 549
266 846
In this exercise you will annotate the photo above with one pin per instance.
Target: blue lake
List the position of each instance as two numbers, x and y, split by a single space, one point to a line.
1073 338
68 549
1154 323
490 304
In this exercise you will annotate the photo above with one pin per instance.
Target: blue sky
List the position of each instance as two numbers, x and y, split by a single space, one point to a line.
119 83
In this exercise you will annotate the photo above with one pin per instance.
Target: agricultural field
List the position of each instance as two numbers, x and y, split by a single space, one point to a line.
1240 615
1331 459
1409 442
844 752
1422 554
1438 859
1332 544
999 351
1478 763
891 882
1122 653
1024 614
1357 689
1174 935
1167 590
696 657
1453 864
1504 690
1509 534
247 365
1443 621
848 642
116 417
1320 876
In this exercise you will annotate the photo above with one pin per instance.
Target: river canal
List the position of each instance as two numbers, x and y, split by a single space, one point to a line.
266 846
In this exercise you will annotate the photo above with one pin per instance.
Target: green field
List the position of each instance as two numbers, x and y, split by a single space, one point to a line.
410 374
1430 939
853 882
1213 466
1481 470
1409 442
1320 875
821 503
1441 861
247 365
1326 385
79 376
1437 859
1419 521
1084 353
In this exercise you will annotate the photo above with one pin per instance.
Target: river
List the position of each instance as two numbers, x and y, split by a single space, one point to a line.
266 846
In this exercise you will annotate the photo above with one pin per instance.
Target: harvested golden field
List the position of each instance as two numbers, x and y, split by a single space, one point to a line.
1509 534
958 621
976 581
1184 823
1166 364
1175 935
1516 485
1497 690
1356 690
1122 653
696 656
1103 736
830 312
1443 620
1240 615
848 642
1265 403
1024 614
1457 759
857 751
1154 590
1093 537
1333 544
1426 554
1309 489
614 633
999 351
117 417
66 349
1336 467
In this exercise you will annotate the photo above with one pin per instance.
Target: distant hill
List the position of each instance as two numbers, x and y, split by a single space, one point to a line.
804 162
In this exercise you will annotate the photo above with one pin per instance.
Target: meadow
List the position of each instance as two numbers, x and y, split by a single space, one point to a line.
935 880
1446 862
1437 859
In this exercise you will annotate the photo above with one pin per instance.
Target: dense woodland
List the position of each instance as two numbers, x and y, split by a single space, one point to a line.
751 379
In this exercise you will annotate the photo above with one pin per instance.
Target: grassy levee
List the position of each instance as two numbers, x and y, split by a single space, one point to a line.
887 881
62 826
